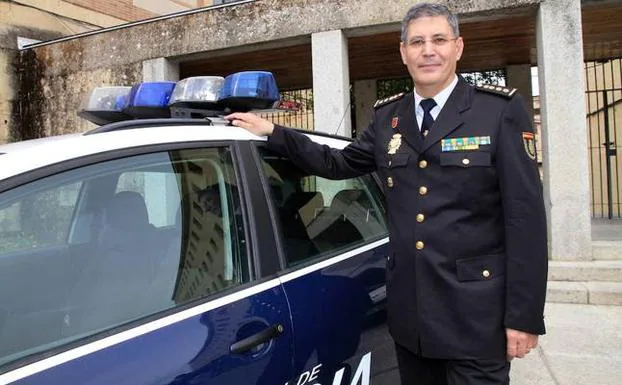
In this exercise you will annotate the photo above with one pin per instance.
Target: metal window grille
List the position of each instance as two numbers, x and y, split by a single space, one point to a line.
303 118
604 123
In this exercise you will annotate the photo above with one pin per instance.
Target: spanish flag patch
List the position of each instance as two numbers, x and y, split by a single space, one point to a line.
530 144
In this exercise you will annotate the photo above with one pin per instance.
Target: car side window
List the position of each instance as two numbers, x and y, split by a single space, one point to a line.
318 216
150 184
135 236
41 219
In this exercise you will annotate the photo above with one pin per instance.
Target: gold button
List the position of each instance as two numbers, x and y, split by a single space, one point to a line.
420 218
465 161
419 245
390 182
423 164
486 273
423 190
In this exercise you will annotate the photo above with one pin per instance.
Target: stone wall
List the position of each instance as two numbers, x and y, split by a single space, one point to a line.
68 69
35 20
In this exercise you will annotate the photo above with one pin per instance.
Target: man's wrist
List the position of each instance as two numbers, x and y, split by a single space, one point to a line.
271 129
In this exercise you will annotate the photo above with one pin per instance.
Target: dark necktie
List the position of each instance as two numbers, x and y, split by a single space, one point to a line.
428 120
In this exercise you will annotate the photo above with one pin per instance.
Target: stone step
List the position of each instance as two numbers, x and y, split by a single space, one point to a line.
595 293
607 250
609 271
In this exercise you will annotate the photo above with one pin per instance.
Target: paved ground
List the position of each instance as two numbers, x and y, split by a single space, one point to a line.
583 346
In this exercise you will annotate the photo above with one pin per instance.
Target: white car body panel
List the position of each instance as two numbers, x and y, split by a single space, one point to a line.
30 155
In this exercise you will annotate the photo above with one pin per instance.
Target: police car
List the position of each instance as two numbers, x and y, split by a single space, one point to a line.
182 251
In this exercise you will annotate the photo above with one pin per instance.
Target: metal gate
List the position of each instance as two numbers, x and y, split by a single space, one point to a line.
604 121
302 116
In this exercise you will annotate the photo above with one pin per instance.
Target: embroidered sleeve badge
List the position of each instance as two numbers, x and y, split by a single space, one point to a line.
530 144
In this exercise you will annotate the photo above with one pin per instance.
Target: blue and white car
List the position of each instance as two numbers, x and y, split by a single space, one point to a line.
171 251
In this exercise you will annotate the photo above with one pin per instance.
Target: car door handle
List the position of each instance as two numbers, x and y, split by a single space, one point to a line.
262 337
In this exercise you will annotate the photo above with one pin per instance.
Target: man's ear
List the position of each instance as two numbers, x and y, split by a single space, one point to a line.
403 52
459 47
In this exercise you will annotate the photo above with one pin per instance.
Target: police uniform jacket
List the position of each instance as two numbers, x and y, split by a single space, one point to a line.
467 227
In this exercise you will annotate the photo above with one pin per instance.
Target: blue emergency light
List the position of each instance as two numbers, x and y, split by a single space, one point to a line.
150 100
196 97
250 90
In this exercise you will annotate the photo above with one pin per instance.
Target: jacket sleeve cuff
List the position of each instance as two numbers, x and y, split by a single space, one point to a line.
536 327
276 141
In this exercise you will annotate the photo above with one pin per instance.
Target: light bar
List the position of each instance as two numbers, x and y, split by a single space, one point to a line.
200 97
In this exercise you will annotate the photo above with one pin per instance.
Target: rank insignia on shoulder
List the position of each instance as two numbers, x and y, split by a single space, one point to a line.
382 102
530 144
508 92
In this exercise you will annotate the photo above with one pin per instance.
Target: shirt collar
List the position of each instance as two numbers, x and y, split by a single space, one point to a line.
440 98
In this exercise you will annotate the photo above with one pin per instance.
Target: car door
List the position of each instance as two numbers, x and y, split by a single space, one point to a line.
141 269
334 243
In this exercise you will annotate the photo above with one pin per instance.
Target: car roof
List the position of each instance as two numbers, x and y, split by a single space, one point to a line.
19 157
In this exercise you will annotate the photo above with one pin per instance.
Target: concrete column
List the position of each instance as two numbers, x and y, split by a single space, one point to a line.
7 92
331 83
519 76
160 69
566 172
365 95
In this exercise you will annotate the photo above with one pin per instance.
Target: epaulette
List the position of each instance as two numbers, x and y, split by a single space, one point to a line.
382 102
507 92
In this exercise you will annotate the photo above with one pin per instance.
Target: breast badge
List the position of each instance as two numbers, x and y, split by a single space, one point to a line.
394 122
394 144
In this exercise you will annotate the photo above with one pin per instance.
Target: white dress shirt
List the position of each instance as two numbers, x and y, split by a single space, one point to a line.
440 99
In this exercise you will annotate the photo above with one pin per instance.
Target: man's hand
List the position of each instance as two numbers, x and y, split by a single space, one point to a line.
519 343
251 122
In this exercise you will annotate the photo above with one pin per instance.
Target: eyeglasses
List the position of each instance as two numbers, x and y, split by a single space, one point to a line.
437 41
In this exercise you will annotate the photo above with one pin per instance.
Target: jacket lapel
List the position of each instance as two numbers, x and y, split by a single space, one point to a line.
407 122
450 117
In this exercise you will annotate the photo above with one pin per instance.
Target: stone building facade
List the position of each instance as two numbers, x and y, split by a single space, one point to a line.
340 49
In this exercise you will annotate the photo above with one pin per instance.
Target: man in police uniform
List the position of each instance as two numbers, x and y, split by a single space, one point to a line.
466 275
